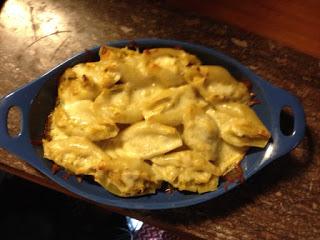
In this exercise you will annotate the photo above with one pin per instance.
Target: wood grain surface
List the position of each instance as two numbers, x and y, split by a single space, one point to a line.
294 23
280 202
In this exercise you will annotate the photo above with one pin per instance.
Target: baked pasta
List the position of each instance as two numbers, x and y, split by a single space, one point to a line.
134 120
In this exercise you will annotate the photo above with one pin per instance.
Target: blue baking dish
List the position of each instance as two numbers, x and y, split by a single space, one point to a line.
37 99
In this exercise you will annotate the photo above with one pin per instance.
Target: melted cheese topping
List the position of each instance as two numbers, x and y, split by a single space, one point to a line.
134 120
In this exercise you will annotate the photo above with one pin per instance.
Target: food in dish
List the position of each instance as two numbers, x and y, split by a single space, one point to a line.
134 120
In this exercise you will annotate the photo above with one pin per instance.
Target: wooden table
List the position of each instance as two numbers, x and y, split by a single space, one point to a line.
281 202
294 23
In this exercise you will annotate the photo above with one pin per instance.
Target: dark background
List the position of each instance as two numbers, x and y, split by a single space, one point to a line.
29 211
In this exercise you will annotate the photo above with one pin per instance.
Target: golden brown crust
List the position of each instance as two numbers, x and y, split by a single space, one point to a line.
135 120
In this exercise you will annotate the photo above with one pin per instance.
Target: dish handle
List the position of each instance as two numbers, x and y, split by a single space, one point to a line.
282 99
21 98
